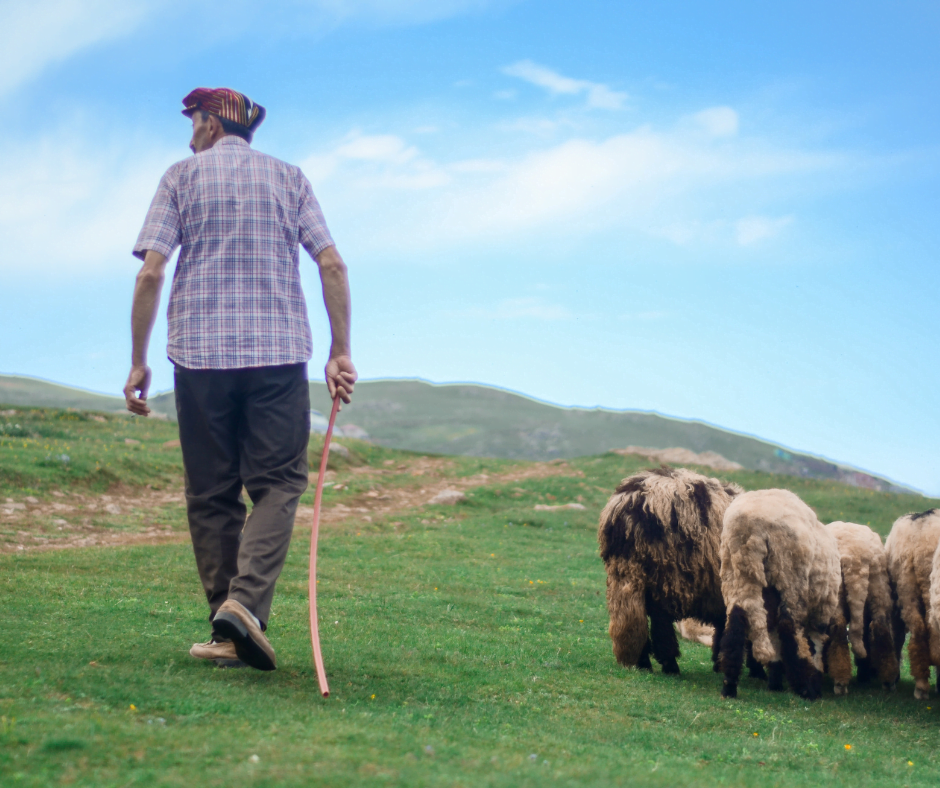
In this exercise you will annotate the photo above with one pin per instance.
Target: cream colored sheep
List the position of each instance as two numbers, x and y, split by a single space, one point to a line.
780 577
910 548
658 538
866 604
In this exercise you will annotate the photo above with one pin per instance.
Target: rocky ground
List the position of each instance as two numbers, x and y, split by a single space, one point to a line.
148 516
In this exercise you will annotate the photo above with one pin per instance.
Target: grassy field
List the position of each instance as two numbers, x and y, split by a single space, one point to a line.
465 646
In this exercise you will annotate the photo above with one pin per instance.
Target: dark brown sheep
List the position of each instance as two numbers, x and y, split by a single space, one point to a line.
659 536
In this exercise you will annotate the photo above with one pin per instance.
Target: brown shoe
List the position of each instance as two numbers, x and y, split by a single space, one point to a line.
213 650
233 621
222 653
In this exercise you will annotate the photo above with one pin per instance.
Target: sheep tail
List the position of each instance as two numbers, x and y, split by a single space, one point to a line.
856 591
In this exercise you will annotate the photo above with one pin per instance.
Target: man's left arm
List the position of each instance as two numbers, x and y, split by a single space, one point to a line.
147 291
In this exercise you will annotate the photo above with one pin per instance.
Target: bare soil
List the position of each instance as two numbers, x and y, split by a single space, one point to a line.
141 516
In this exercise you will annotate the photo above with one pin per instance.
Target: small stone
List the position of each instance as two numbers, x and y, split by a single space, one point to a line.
131 442
339 449
254 759
447 498
58 494
30 499
533 757
112 508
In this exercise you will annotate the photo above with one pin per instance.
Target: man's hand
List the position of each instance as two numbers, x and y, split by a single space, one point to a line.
341 376
138 381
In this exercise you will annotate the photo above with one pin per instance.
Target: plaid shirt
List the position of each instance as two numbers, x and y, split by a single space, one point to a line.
239 216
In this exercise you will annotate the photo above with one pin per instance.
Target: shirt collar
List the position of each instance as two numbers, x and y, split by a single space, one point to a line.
230 139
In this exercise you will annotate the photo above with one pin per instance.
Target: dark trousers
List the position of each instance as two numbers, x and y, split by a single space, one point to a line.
243 427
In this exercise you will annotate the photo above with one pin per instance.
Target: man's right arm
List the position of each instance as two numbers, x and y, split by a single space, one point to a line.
341 374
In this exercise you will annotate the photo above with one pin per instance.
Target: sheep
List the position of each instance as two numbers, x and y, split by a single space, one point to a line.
780 578
866 604
658 538
910 548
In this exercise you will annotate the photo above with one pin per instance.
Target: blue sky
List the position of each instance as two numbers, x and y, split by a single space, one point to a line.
720 211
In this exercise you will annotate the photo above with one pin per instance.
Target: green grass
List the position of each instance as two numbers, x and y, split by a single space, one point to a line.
459 642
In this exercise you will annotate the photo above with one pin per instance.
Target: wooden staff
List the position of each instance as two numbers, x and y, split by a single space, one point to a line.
314 623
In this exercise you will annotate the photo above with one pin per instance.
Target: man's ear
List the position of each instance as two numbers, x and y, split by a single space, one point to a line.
215 127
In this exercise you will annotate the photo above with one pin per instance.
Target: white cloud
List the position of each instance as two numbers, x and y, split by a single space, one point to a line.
753 229
599 96
383 161
42 32
678 185
718 121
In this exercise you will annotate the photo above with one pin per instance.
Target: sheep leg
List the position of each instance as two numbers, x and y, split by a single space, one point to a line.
775 674
898 630
664 641
732 650
918 653
716 645
628 629
881 649
840 663
754 669
797 668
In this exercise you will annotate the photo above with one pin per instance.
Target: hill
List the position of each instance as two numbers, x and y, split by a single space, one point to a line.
482 421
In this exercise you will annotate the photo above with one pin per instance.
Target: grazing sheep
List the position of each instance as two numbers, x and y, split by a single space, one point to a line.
865 602
910 548
780 577
659 538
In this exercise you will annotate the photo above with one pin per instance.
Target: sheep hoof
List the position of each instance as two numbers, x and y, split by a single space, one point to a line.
729 691
671 668
889 686
921 694
841 689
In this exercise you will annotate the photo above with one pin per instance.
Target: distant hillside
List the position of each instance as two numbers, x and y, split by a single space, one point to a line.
487 422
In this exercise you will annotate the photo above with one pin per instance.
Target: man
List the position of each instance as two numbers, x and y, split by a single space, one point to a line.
240 340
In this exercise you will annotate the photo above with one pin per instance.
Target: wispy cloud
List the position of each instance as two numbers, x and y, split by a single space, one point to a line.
753 229
718 121
599 96
39 33
75 208
677 184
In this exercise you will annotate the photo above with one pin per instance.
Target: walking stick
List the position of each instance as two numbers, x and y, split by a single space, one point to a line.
314 624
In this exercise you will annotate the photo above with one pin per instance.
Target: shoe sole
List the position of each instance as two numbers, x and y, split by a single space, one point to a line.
230 626
230 663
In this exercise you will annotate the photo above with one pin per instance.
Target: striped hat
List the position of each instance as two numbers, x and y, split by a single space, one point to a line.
228 104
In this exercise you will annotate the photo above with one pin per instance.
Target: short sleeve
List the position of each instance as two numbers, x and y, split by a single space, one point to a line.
162 228
314 235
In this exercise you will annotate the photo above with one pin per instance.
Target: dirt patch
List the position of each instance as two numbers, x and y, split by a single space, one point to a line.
131 517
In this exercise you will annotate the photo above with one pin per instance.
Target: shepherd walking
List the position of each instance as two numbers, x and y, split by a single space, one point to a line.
240 339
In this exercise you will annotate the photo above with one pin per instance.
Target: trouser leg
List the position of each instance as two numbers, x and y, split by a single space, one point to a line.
209 412
273 437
